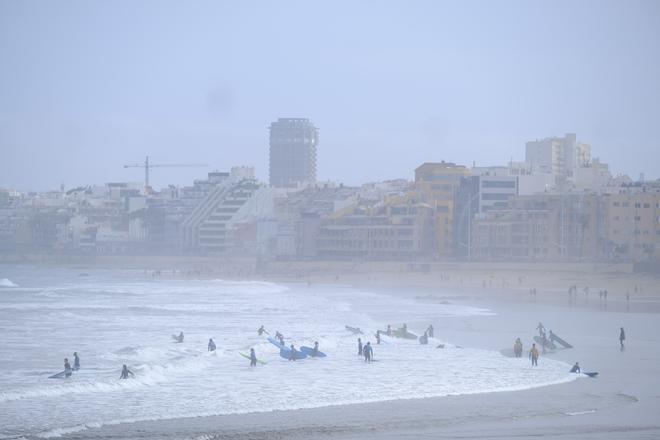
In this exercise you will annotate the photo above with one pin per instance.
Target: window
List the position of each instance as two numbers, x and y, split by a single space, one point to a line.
498 184
495 196
647 205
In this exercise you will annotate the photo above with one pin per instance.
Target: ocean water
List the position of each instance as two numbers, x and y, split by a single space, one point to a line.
127 317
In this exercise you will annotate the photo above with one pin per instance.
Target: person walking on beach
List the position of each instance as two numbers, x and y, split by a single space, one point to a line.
368 352
359 347
67 368
518 348
622 337
253 358
76 361
534 355
211 346
125 372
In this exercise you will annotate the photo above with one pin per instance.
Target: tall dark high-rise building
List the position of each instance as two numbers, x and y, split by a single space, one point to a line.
293 144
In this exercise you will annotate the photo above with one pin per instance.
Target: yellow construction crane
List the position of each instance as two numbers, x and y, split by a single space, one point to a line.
148 166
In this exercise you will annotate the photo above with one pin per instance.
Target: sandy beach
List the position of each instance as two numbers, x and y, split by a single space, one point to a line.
621 402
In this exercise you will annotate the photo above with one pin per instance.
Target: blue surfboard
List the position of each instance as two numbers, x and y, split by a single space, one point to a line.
309 350
286 354
276 343
60 375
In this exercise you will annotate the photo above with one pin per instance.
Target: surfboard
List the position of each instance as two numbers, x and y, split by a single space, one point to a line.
309 350
560 341
399 333
548 342
60 375
354 330
247 356
286 354
591 374
276 343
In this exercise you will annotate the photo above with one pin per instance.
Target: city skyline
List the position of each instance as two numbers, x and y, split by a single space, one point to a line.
388 85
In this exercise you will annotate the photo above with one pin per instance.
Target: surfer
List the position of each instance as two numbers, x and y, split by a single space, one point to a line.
378 337
315 350
76 361
359 347
389 330
576 368
424 339
179 338
253 358
67 368
518 348
368 352
125 372
541 329
261 330
404 328
211 346
534 355
430 331
622 336
292 355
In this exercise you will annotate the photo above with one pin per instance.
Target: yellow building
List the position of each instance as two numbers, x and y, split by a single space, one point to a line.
436 184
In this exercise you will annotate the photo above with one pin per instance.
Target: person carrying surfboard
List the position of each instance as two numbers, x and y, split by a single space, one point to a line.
76 361
253 358
125 372
67 368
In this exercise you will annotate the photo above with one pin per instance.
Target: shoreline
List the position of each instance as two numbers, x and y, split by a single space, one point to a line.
582 408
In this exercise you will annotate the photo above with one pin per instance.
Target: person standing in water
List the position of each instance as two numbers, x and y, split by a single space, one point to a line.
253 358
76 361
315 350
518 348
125 372
576 368
430 331
389 330
292 355
534 355
368 352
378 337
67 368
211 346
622 337
261 330
359 347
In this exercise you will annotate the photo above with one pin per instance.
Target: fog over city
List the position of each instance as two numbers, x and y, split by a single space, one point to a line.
347 220
87 87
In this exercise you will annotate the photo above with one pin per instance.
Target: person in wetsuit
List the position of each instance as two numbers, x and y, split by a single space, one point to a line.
211 346
430 331
253 358
125 372
389 330
178 338
576 368
67 368
292 354
76 361
261 330
359 347
534 355
378 337
315 350
622 336
368 352
518 348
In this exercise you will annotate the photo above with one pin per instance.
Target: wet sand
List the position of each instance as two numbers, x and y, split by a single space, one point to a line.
622 402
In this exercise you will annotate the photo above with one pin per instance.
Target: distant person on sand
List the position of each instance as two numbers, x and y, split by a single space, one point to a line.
534 355
211 346
125 372
368 352
518 348
292 355
253 358
67 368
576 368
622 336
359 347
76 361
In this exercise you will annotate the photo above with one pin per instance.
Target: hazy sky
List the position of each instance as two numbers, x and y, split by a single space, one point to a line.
87 86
